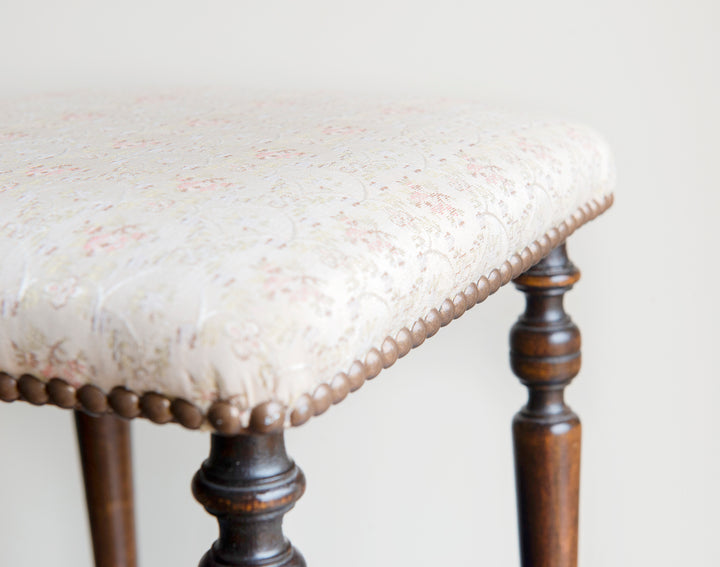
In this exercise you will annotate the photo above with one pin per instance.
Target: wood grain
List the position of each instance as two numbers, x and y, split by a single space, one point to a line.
545 355
105 456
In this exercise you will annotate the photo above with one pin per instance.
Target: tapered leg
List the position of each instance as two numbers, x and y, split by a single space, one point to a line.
545 355
249 483
107 468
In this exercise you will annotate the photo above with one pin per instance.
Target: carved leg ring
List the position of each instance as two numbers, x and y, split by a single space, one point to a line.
545 355
249 483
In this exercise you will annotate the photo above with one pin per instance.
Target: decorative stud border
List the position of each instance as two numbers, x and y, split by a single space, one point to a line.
225 418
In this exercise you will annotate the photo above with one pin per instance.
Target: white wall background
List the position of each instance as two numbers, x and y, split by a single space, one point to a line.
415 469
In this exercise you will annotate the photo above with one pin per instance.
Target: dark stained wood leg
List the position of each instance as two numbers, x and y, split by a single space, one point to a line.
107 468
545 355
249 483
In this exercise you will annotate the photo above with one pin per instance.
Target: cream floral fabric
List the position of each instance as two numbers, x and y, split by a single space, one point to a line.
246 247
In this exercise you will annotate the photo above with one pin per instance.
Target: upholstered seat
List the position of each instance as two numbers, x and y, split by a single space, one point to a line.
199 255
240 262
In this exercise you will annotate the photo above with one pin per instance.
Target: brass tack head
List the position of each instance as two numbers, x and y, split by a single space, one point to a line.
433 322
573 227
61 393
404 341
516 263
156 407
545 247
340 387
483 287
528 255
225 418
267 417
92 399
373 363
124 402
356 375
506 272
459 304
555 237
322 399
447 312
471 295
303 410
494 280
33 390
187 414
8 388
389 352
592 211
418 332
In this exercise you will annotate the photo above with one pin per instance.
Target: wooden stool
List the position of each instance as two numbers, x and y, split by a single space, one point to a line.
238 264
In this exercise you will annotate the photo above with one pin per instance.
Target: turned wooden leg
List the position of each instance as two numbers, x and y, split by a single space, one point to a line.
545 355
249 483
107 468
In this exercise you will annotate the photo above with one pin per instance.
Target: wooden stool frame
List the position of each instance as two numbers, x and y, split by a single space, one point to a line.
249 482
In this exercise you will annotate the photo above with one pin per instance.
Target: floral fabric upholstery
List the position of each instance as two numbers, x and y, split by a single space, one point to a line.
243 247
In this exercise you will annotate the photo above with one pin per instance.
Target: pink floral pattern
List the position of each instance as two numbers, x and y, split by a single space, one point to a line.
220 245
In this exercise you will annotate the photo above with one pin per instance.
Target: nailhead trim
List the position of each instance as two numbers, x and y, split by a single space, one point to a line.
228 419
